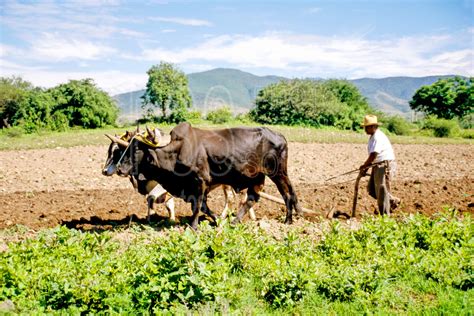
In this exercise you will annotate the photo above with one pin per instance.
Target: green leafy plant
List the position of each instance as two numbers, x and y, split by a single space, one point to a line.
220 116
406 265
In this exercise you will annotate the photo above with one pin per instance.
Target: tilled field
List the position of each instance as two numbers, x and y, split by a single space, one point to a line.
45 188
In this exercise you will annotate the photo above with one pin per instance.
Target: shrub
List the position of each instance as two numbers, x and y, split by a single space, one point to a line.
397 125
220 116
467 121
244 118
441 127
467 133
194 116
15 131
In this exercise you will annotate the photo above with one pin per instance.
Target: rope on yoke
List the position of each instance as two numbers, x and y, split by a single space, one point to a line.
123 154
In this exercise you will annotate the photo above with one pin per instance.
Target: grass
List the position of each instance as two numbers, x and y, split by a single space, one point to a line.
82 137
414 265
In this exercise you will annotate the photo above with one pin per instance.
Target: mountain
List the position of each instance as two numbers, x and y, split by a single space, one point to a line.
222 86
391 95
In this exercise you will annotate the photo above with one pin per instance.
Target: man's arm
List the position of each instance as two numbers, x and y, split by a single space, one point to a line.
369 161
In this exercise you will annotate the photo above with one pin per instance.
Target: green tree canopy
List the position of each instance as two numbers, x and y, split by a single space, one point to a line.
13 91
83 104
76 103
332 103
166 90
446 98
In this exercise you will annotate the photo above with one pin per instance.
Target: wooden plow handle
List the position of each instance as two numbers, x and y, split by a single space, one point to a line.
280 201
356 192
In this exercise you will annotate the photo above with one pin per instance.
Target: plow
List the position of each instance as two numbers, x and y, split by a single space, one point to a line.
332 212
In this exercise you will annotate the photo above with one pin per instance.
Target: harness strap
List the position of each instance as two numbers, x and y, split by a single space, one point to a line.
123 155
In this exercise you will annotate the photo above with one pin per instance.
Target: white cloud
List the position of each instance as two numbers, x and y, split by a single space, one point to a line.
113 82
58 48
314 10
182 21
168 31
310 55
73 18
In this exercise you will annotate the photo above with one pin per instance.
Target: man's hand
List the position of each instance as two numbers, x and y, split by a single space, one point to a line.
364 167
363 170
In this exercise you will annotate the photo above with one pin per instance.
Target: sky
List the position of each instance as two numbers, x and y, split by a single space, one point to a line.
115 42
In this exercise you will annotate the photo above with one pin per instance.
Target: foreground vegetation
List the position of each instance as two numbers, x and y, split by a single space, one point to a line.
411 265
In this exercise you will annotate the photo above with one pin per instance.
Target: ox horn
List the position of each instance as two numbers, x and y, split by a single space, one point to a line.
157 138
117 140
149 131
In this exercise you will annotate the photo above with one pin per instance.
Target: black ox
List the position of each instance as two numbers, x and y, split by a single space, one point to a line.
196 161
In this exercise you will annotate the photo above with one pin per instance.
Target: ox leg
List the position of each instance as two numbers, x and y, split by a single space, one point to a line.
252 198
150 201
228 194
205 209
195 206
243 199
251 210
289 196
170 208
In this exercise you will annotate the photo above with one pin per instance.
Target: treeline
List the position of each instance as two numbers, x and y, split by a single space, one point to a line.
76 103
446 106
295 102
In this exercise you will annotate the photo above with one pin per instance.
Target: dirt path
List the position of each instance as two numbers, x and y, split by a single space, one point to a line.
44 188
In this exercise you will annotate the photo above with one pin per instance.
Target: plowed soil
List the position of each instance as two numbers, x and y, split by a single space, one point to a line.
64 186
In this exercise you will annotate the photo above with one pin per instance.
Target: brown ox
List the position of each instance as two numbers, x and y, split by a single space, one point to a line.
151 188
196 161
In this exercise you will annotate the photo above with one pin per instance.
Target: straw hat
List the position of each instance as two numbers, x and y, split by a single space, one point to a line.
370 120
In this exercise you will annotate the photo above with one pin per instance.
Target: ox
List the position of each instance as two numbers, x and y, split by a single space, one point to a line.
196 161
151 188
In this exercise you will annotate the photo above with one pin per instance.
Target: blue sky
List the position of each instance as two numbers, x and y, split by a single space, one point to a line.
115 42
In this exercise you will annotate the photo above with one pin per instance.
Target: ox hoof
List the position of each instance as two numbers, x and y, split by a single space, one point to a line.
235 221
288 221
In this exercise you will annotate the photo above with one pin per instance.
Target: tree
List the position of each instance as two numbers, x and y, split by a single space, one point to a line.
13 91
83 104
34 112
316 103
166 90
446 98
347 93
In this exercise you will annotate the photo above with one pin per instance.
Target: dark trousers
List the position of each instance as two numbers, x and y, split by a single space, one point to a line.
379 185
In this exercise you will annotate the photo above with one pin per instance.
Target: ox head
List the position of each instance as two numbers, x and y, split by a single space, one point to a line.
114 152
130 158
133 154
116 148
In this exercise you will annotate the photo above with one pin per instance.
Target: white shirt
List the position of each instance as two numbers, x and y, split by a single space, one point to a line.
380 144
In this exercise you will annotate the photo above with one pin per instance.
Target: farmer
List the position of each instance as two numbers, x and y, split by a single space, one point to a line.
382 160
